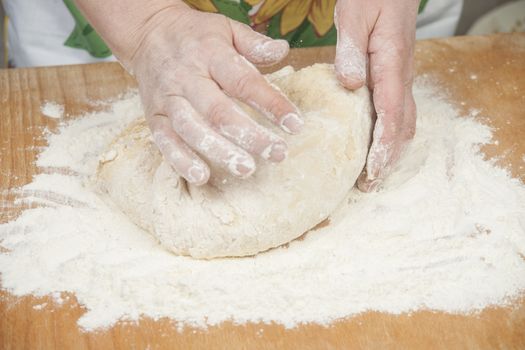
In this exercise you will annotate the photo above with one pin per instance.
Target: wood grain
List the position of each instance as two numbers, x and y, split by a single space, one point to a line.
486 74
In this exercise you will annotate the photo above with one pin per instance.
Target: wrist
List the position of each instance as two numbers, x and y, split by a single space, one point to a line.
125 24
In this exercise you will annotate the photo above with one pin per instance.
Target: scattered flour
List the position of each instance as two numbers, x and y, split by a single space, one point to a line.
446 232
40 306
52 110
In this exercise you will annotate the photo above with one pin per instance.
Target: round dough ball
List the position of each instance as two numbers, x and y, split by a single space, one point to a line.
278 203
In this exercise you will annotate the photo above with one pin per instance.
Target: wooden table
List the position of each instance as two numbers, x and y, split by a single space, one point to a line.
483 73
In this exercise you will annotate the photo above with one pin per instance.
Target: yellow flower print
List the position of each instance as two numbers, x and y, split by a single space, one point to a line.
203 5
322 15
319 12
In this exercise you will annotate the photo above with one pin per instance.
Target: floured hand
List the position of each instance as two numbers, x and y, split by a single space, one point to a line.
189 66
375 45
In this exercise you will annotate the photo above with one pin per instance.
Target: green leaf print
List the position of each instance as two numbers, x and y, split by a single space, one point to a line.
245 6
84 36
234 10
303 36
422 5
274 30
308 37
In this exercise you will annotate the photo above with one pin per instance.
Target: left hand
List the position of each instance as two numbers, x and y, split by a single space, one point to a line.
375 45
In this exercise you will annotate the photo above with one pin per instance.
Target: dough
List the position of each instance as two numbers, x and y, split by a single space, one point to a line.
280 202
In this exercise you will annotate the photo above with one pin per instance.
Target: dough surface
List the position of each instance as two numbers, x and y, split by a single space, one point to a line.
280 202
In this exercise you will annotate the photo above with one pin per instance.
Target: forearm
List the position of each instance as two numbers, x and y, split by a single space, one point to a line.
123 24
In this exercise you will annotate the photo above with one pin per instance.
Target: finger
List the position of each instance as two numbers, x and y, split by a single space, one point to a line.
409 127
389 104
390 68
352 44
177 153
189 125
258 48
243 81
229 120
388 153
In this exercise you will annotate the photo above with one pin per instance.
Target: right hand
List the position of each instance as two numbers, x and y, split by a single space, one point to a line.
189 66
382 33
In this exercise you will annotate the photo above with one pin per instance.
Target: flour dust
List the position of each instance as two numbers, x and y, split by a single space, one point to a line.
446 232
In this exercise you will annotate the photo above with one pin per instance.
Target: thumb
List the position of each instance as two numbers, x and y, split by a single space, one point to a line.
352 45
258 48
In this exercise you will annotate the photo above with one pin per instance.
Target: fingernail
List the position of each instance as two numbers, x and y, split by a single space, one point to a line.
245 168
196 175
373 185
275 152
291 123
368 185
241 166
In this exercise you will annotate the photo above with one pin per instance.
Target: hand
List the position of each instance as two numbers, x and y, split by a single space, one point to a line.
375 45
189 66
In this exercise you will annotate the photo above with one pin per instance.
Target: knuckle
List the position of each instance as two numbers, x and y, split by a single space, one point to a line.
179 109
242 27
188 45
393 58
219 19
241 87
410 132
157 123
277 104
392 44
216 113
209 40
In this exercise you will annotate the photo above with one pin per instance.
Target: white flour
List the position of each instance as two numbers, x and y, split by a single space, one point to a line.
52 110
447 232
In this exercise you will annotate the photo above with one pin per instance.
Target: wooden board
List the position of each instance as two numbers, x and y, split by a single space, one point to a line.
482 73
